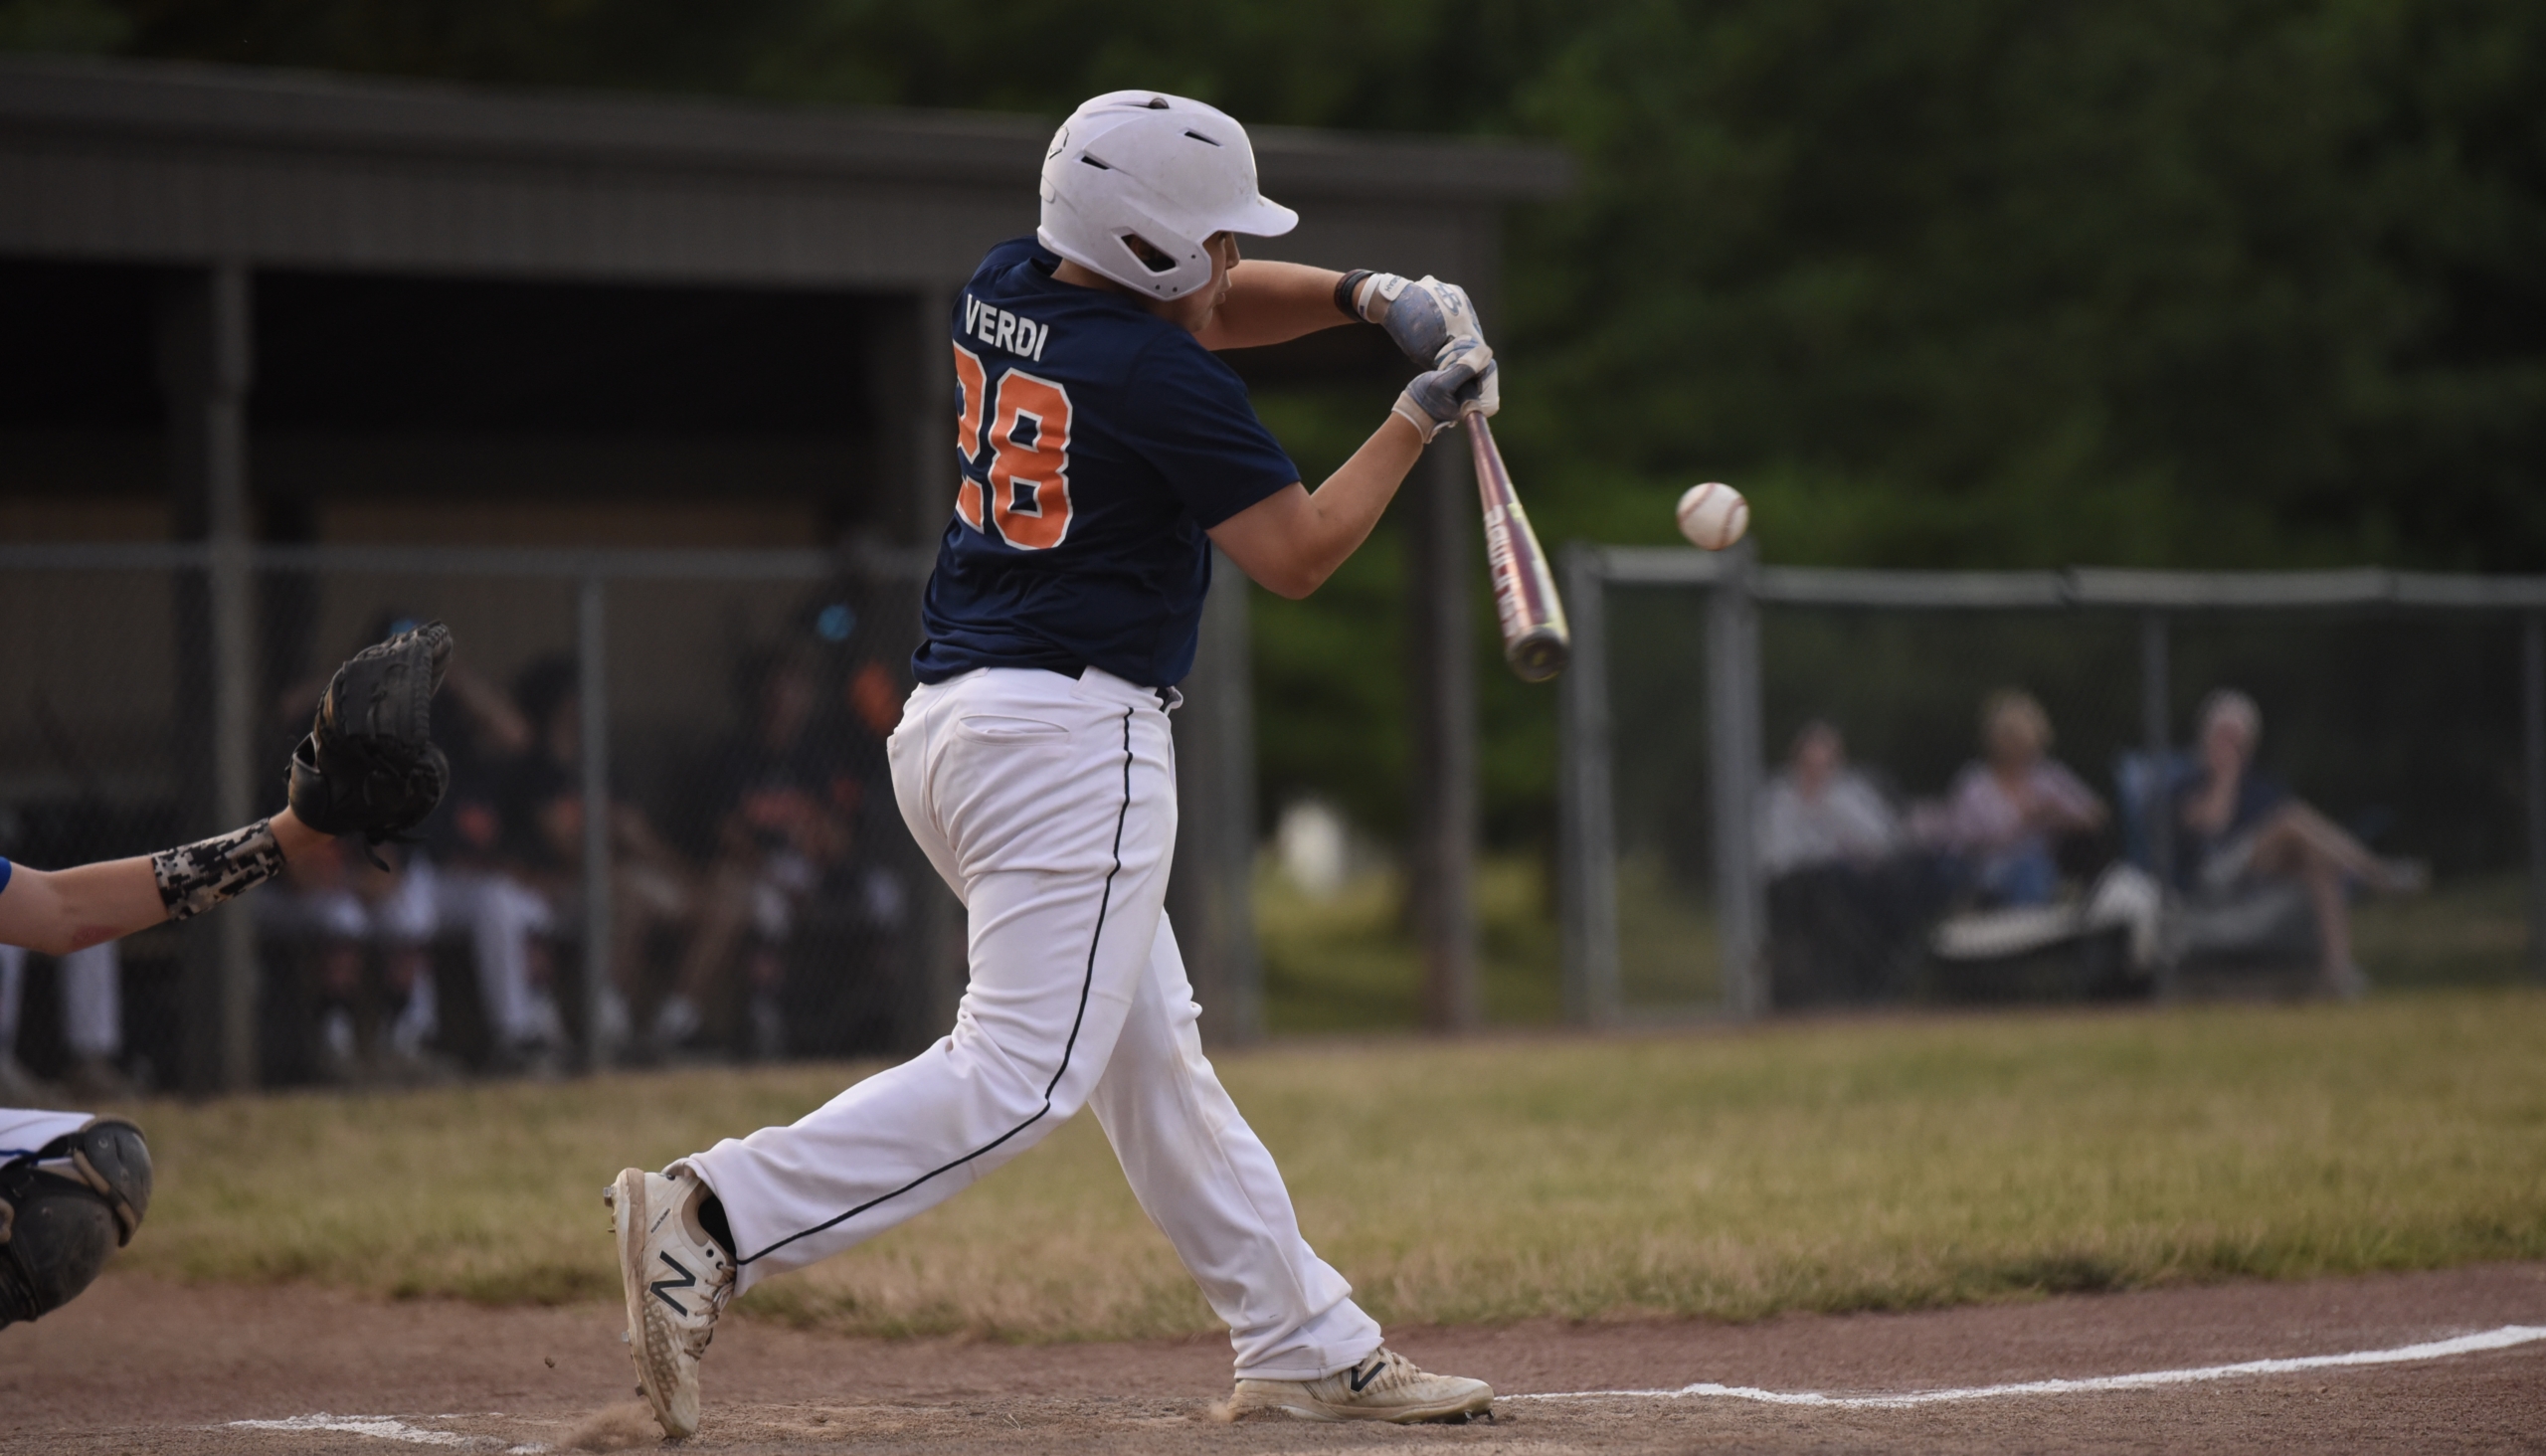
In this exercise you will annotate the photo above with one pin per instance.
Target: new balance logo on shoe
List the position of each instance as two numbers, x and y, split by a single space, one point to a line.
686 1280
1369 1373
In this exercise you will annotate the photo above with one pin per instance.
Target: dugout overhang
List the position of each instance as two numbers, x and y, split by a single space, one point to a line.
191 164
277 177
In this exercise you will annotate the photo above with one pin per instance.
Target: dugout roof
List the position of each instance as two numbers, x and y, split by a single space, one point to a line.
177 163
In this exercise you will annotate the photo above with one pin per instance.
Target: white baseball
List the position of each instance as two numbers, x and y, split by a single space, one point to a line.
1714 515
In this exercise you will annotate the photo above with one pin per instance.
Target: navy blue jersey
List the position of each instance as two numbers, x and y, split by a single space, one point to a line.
1098 442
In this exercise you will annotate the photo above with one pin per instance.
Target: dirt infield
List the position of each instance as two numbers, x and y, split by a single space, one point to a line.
144 1366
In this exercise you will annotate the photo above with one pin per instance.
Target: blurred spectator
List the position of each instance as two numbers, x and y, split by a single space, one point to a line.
1846 896
453 883
1821 811
475 892
88 826
344 908
2238 825
2004 815
92 1025
845 990
785 797
651 887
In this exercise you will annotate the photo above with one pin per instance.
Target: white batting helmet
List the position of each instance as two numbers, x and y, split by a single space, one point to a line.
1170 170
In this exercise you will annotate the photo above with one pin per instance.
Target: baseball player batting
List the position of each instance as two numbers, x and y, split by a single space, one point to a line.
73 1186
1104 450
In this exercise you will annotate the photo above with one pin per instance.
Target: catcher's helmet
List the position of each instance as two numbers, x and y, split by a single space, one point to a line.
1170 170
63 1209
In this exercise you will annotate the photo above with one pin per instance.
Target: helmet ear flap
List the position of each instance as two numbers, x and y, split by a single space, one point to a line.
1166 268
1108 247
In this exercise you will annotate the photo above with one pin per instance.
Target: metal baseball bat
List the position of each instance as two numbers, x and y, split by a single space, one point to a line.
1536 641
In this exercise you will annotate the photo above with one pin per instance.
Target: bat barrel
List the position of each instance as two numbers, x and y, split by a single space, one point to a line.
1535 640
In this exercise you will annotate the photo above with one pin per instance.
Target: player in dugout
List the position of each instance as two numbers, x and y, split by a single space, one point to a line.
75 1187
1103 451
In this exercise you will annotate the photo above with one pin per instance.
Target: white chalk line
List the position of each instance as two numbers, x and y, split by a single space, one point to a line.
2507 1336
2504 1338
380 1427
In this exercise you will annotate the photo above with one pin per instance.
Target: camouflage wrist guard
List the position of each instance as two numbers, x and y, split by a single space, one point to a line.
195 878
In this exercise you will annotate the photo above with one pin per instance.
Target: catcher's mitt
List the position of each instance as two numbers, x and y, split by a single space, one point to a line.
369 765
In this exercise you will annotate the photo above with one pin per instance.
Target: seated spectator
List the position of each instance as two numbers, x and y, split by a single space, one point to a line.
1846 893
2005 815
1821 811
2236 824
873 694
336 901
783 804
451 883
651 885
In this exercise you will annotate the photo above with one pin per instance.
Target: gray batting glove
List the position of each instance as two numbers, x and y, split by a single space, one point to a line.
1435 401
1429 318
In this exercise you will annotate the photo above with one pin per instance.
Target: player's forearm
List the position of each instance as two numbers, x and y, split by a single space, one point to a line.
1272 303
63 910
1291 542
59 911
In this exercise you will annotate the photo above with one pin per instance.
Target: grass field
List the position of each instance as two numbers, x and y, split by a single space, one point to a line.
1350 963
1833 1165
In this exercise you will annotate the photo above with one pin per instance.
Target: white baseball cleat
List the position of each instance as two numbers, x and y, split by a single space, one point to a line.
1386 1387
678 1280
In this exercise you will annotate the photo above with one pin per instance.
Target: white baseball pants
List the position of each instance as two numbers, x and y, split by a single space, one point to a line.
1049 804
25 1129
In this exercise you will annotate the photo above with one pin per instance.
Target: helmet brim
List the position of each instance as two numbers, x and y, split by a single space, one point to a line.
1261 217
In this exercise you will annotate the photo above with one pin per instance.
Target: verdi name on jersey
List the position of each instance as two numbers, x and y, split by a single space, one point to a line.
1097 443
1001 329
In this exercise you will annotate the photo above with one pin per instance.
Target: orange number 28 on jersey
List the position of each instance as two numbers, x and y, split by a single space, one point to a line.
1029 445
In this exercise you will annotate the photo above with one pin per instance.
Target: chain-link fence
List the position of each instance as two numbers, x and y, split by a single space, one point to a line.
1785 788
750 891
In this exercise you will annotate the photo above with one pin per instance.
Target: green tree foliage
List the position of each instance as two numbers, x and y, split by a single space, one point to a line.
1938 282
2001 281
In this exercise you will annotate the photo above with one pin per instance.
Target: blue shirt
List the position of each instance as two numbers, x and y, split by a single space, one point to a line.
4 874
1097 441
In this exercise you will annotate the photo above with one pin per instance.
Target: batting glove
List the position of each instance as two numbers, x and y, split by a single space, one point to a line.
1435 401
1429 319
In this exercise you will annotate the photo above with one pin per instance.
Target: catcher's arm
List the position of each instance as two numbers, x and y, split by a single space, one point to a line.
368 767
56 911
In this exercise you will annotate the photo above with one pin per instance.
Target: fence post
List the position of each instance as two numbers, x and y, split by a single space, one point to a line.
592 643
2533 730
1734 733
1209 894
207 363
1586 822
234 684
2156 714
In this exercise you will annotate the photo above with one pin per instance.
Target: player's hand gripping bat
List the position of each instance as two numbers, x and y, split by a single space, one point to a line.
1536 641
